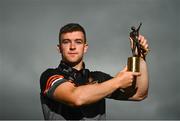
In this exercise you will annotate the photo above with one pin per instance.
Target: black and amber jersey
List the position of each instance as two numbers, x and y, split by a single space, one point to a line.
52 78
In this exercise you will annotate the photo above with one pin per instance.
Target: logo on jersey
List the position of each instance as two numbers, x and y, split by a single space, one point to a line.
51 81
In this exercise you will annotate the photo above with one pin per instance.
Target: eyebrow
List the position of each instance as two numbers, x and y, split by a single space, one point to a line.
65 39
78 40
74 40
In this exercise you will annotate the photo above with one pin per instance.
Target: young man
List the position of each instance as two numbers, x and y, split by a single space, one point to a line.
72 92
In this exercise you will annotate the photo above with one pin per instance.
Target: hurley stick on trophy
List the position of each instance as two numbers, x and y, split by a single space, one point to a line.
137 51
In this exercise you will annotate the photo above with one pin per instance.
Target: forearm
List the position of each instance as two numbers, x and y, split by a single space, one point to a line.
142 82
88 94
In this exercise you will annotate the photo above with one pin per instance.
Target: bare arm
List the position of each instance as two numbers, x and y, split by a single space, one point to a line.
142 83
71 95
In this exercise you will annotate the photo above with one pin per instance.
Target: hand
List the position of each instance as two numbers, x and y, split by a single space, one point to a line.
143 43
125 78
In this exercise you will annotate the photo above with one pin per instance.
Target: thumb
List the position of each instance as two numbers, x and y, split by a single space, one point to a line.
131 42
124 69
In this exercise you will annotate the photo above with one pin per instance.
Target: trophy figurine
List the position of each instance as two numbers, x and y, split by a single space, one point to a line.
137 51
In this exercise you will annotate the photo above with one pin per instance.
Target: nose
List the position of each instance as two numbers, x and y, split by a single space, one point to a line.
72 46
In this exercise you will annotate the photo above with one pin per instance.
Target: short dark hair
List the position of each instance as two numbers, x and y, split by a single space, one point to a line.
71 27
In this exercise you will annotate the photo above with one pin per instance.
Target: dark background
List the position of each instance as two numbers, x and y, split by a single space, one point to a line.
29 35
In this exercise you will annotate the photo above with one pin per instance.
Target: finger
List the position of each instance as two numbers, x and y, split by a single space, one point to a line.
146 47
131 42
136 73
144 42
141 38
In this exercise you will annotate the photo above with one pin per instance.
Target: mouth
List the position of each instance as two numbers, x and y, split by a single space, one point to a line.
72 53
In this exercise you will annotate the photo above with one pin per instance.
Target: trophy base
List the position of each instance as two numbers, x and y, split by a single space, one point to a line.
133 64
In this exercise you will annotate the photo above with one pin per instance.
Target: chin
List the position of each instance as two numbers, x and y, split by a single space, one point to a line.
73 61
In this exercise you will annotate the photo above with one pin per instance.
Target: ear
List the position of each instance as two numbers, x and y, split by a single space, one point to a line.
59 48
85 48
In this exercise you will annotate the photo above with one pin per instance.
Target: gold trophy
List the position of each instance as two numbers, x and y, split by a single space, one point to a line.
133 62
137 51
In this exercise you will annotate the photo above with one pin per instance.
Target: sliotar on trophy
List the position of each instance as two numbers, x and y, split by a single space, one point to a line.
137 51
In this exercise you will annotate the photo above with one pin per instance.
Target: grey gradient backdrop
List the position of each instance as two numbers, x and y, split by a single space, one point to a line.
29 35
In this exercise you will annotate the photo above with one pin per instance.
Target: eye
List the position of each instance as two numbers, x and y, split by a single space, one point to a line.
65 41
79 41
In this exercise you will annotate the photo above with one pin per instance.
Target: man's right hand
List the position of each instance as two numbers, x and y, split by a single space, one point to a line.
125 78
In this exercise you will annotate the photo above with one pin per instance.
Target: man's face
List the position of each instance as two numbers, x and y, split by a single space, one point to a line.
72 46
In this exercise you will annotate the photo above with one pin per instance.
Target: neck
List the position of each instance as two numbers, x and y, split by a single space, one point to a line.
77 65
